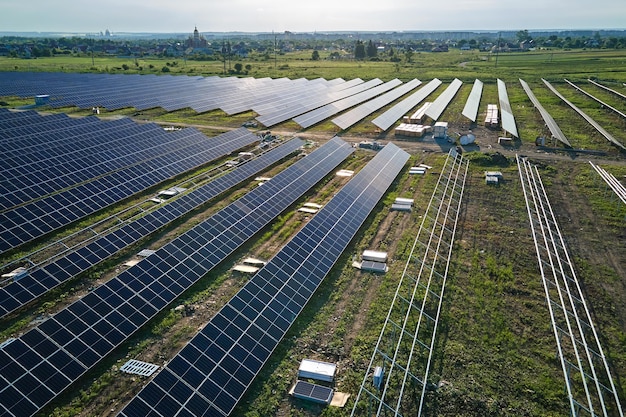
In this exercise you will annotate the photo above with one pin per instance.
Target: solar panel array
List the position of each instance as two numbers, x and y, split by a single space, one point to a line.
550 122
116 91
473 101
212 372
324 112
16 294
307 101
351 117
508 121
38 366
85 152
114 161
440 104
388 118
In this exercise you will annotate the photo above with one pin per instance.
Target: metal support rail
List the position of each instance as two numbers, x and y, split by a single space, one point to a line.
596 99
405 347
588 118
612 182
588 381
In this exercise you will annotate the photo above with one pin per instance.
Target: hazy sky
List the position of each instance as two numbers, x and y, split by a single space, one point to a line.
306 16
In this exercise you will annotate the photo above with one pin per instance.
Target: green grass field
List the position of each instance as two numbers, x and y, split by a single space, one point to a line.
606 65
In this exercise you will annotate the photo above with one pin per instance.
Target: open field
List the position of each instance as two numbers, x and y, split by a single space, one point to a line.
466 65
495 351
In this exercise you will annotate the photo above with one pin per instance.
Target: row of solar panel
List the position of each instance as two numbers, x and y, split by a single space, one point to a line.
357 114
142 92
81 334
32 178
41 280
28 126
216 367
308 102
275 101
35 219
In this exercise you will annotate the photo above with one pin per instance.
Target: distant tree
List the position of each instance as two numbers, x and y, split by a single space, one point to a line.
523 35
391 52
315 56
248 67
371 50
408 54
359 50
125 67
165 69
238 67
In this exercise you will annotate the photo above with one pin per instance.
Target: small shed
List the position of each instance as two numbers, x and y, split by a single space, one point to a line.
401 207
312 369
417 171
440 130
400 200
375 256
374 266
378 376
42 99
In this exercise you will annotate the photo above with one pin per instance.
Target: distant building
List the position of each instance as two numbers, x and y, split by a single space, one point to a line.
197 41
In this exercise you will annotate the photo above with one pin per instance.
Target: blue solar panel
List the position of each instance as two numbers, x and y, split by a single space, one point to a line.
229 352
33 220
139 293
39 281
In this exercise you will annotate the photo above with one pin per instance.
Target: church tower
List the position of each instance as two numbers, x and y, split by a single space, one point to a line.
196 38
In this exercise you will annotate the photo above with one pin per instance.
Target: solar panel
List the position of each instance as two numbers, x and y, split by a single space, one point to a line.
16 294
305 104
388 118
375 266
221 361
550 122
110 148
440 104
39 365
322 113
40 217
313 392
346 120
473 101
508 121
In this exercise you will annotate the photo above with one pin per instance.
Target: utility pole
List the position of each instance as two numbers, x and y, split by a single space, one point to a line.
498 50
224 55
275 50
